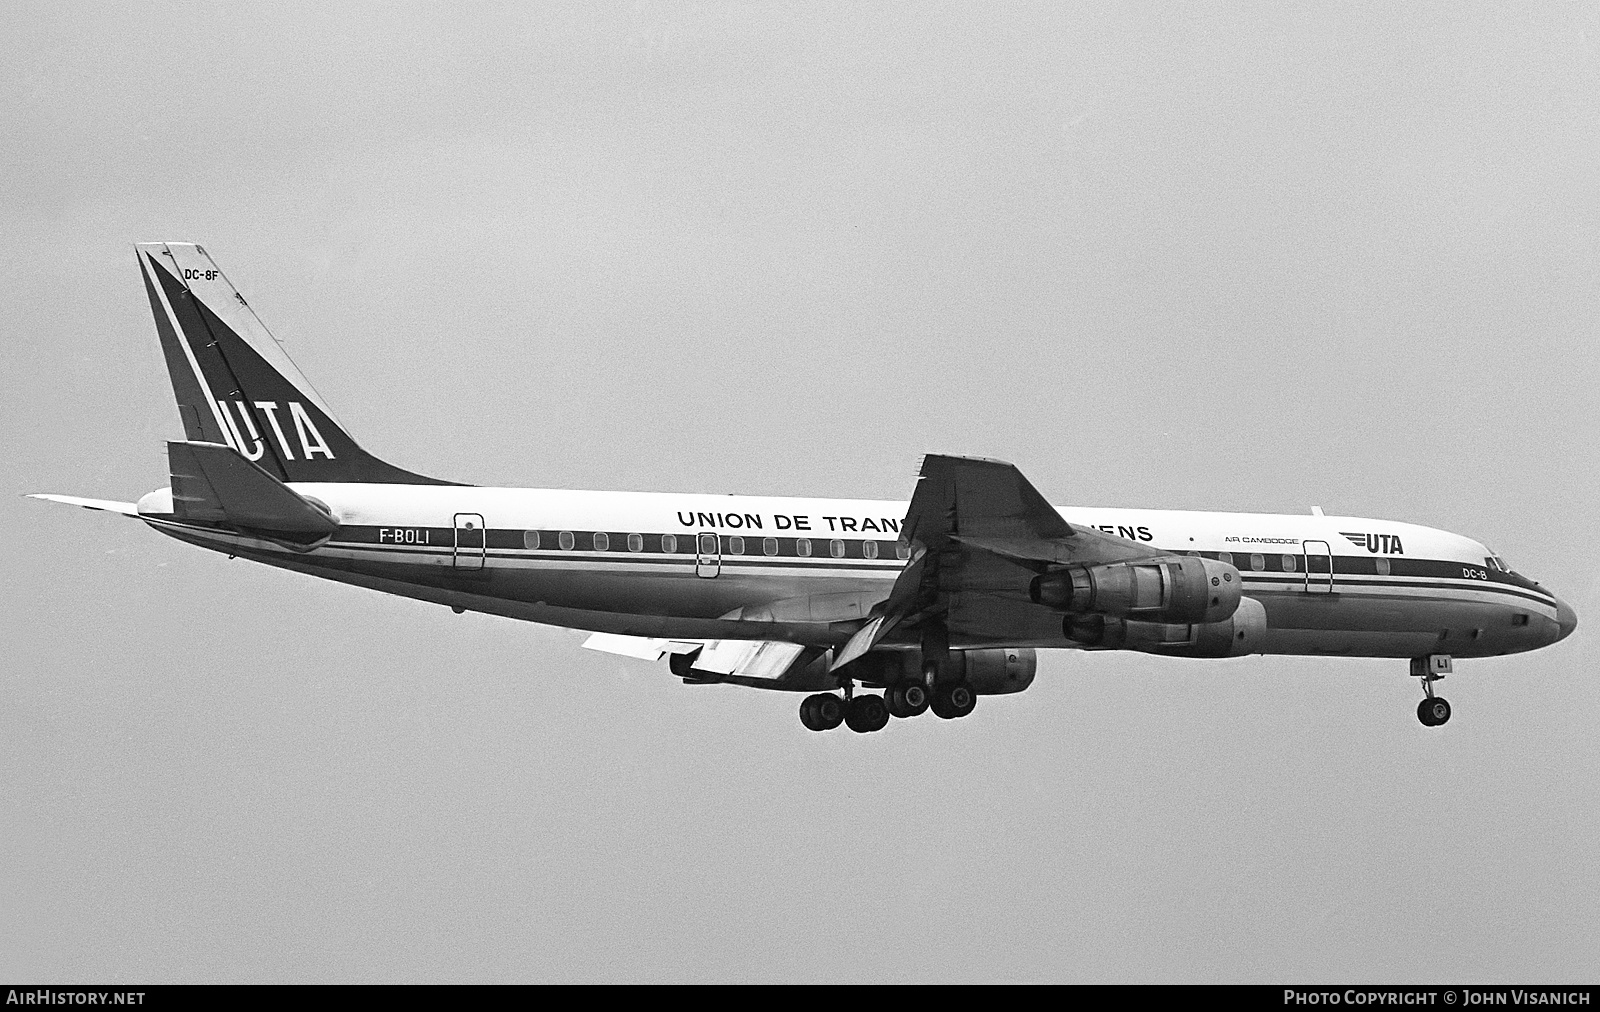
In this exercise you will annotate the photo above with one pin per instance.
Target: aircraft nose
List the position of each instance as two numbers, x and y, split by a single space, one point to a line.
1566 619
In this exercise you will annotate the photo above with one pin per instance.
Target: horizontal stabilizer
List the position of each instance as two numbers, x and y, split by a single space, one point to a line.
213 483
125 508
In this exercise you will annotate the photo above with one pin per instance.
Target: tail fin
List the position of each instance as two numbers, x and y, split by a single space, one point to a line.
236 386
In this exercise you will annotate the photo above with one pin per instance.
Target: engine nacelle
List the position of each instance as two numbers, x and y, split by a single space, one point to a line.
990 671
1177 589
1239 633
997 671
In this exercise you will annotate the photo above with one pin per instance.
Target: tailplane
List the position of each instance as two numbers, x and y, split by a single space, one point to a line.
213 483
235 386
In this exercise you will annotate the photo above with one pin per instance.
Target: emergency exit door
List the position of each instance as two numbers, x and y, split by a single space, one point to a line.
471 541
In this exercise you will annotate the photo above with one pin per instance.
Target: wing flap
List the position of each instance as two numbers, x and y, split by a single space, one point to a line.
750 661
767 660
642 647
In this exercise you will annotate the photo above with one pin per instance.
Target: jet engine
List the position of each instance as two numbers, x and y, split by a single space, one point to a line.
1239 633
997 671
1178 589
990 671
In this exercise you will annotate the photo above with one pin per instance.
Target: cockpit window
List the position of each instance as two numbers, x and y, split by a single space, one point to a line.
1497 564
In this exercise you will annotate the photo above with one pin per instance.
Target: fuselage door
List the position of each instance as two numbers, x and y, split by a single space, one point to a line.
708 555
1318 559
470 541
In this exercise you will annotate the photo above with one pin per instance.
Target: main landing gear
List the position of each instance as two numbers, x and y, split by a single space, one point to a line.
822 712
1433 710
952 700
907 699
866 712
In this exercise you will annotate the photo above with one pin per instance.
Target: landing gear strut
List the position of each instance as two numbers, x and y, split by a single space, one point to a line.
1433 710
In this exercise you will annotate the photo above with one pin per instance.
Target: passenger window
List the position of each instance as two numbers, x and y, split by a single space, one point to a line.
902 550
566 541
736 545
1225 557
836 548
1288 564
1258 562
802 547
708 544
1383 567
669 543
602 542
530 540
869 549
769 546
636 542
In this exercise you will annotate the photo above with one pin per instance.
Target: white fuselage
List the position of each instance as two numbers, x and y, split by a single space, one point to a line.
809 570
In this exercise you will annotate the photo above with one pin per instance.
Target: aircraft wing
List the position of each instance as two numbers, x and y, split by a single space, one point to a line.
980 532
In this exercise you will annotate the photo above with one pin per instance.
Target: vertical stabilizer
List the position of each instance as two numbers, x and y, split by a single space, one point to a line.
236 386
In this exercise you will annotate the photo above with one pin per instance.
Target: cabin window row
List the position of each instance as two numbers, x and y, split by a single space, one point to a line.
708 544
1287 563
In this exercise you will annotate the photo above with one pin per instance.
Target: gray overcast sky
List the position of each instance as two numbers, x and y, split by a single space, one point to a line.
1222 257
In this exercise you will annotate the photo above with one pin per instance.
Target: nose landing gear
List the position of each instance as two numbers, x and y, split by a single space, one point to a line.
1433 710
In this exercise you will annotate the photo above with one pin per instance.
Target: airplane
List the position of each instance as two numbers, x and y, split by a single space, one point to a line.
931 603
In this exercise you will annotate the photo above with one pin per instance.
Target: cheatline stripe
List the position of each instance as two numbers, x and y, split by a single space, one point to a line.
1399 583
627 558
578 557
1261 581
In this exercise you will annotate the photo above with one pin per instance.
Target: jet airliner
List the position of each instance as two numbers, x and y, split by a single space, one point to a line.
874 610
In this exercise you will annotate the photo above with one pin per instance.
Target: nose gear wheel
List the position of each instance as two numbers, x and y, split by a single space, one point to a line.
1433 711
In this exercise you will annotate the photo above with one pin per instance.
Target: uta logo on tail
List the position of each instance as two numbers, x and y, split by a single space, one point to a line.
311 442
